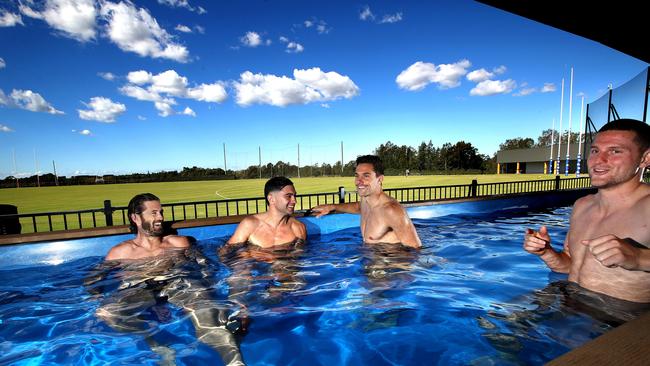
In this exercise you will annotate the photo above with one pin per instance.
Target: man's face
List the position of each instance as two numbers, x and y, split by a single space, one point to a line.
367 180
284 200
613 158
151 219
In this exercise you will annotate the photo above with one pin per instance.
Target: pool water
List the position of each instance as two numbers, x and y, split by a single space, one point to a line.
471 295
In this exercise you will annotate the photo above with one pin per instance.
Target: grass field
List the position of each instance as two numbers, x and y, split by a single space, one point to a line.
48 199
44 199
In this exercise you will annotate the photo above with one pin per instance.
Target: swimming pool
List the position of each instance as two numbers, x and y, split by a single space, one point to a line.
470 296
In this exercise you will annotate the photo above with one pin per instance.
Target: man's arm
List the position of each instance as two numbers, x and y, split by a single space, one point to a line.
539 243
178 241
299 229
119 251
402 226
243 231
612 251
352 207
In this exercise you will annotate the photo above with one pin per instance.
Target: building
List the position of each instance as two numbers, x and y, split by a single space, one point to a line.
536 160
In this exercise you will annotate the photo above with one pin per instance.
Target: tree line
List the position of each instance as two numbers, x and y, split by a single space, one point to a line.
458 158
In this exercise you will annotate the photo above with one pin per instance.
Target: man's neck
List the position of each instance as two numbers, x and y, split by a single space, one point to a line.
619 196
274 217
373 199
147 242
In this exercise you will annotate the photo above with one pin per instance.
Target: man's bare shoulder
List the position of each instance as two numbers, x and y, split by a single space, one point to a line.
120 251
585 202
176 241
298 227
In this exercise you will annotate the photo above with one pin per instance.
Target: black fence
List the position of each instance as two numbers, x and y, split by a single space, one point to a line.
110 215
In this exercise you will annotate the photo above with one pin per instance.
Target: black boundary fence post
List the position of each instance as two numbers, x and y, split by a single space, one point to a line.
108 212
341 194
474 188
557 182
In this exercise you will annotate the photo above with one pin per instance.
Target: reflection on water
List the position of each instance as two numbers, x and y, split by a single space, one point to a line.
145 290
471 295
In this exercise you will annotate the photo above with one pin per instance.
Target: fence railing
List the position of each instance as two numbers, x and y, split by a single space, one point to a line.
110 215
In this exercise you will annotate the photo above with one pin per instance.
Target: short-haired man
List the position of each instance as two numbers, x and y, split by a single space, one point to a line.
154 271
276 226
383 219
146 221
607 247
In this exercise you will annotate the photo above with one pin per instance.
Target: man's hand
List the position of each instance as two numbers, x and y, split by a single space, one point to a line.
322 210
611 251
537 242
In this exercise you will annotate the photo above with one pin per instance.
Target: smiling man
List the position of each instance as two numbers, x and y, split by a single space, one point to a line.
607 247
146 218
383 219
275 227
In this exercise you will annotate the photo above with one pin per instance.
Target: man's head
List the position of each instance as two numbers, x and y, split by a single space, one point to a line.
146 212
280 194
368 175
619 152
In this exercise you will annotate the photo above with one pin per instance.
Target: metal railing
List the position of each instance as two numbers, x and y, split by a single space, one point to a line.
110 215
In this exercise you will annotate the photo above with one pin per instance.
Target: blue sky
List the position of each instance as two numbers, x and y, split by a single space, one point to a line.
113 86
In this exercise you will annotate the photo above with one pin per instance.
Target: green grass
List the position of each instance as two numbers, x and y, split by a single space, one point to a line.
68 198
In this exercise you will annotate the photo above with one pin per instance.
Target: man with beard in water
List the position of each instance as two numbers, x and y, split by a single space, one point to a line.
606 250
153 271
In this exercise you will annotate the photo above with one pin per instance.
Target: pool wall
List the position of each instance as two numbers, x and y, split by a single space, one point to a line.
60 251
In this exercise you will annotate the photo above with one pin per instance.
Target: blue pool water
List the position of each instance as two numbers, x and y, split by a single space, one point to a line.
470 296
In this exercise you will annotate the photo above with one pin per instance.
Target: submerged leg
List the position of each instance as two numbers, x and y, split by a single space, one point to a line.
210 321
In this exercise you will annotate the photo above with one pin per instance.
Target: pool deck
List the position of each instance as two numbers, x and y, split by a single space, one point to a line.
627 345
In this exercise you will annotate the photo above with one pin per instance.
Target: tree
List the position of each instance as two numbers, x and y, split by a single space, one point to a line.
544 140
517 143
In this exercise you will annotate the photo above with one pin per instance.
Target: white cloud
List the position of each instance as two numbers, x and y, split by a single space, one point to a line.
253 39
107 76
391 18
500 70
320 25
102 110
294 47
8 19
141 118
135 30
199 29
420 74
479 75
182 4
85 132
28 100
492 87
311 85
215 93
525 91
74 18
366 14
4 128
139 77
169 82
325 105
188 112
3 64
164 87
548 88
183 28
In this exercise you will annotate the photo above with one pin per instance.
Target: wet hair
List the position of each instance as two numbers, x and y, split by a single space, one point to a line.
275 184
377 165
136 206
640 129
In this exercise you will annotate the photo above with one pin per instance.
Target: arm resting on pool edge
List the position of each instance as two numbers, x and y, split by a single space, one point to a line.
322 210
